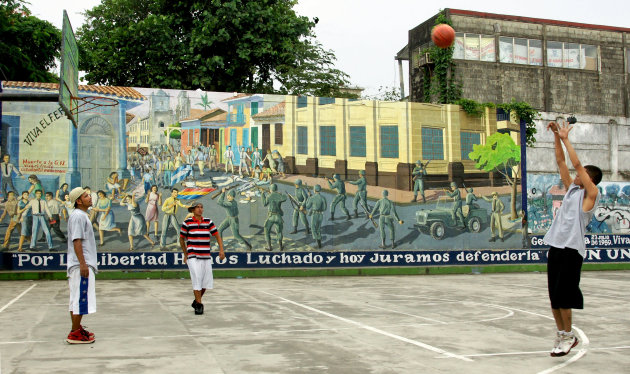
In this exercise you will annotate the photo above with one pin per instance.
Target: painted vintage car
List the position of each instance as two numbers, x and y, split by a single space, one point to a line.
437 221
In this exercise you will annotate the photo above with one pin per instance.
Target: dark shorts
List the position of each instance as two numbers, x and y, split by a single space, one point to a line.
563 278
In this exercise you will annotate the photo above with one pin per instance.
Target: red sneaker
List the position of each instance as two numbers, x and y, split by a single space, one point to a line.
90 334
78 337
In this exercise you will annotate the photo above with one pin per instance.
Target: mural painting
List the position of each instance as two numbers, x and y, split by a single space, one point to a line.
275 173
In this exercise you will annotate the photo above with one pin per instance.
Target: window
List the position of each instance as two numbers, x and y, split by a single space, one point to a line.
572 56
468 140
520 51
302 102
432 144
254 108
278 133
357 141
326 100
302 140
327 141
627 60
474 47
389 141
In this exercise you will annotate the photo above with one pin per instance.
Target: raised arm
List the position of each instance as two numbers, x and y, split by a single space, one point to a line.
589 186
562 165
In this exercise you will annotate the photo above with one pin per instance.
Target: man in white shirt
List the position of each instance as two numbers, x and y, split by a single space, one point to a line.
244 157
229 159
82 265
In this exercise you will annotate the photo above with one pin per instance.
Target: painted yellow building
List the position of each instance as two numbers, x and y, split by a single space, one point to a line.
324 136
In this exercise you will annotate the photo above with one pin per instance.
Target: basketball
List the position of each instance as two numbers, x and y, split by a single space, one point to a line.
443 35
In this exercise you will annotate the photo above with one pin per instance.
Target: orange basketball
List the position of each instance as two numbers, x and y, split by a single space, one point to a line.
443 35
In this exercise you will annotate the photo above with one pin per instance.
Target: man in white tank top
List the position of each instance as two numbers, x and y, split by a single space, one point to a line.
566 238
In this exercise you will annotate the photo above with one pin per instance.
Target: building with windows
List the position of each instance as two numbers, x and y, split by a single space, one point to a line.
322 136
556 66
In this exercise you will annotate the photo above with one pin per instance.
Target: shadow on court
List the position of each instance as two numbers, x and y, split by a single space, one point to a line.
490 323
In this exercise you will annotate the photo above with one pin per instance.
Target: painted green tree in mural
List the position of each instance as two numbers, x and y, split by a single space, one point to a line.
228 45
29 45
205 102
500 154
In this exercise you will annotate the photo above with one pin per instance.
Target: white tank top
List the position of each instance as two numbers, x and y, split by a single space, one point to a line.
569 226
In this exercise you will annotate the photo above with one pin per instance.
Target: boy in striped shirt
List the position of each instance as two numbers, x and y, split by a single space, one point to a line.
194 240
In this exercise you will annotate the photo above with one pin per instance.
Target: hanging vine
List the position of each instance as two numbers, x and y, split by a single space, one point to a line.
439 84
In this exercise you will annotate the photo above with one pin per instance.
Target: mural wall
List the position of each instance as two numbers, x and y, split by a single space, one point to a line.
297 175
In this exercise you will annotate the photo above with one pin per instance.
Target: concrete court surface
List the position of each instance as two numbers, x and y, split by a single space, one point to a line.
489 323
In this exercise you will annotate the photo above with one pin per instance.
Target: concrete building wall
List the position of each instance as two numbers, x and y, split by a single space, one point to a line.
601 92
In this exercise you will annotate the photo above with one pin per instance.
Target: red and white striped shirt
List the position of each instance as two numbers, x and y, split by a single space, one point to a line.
197 236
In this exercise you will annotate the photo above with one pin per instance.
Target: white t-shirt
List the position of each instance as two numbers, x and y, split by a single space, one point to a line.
79 227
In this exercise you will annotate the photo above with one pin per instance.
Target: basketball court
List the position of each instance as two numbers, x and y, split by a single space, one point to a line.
490 323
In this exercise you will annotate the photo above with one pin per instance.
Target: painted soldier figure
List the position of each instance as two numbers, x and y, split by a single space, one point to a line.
340 198
231 220
361 196
300 196
274 217
387 217
495 216
470 198
418 174
316 206
456 211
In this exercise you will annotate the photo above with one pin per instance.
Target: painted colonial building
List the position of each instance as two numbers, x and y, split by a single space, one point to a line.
42 141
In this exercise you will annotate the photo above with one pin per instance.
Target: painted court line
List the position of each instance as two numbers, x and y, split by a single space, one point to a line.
17 298
585 342
406 314
373 329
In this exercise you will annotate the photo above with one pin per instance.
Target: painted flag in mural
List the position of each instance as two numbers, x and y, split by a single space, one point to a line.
180 174
194 193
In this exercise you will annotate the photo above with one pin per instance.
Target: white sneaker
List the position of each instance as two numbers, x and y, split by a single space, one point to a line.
556 343
568 341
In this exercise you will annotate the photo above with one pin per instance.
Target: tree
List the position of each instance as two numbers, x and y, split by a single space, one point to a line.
385 94
205 102
502 155
29 45
228 45
312 73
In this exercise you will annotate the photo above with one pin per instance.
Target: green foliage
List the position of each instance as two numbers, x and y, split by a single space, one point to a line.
228 45
205 102
472 107
439 84
312 73
500 153
525 112
385 94
29 45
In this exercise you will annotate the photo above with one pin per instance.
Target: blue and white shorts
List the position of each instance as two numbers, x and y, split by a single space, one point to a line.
82 292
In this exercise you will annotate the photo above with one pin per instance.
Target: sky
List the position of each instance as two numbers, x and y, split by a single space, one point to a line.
366 34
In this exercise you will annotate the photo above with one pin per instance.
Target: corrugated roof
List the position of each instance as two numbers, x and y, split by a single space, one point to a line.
122 92
274 111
